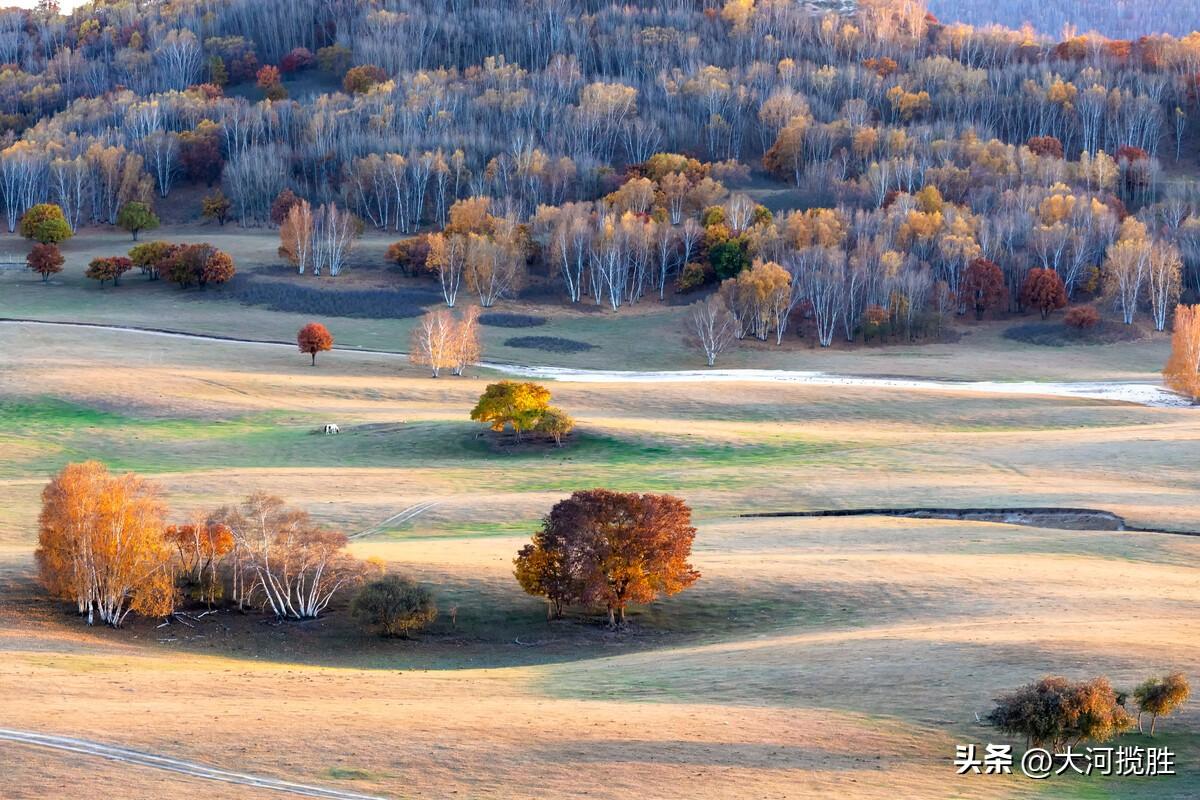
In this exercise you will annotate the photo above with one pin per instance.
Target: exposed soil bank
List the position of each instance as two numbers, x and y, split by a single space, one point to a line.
1073 519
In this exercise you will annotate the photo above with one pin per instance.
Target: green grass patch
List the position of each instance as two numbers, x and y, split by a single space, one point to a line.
349 774
41 436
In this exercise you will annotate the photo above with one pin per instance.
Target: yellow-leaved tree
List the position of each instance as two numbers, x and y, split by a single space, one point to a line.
1182 373
101 544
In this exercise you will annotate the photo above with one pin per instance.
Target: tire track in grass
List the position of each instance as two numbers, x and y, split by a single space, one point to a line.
399 518
192 769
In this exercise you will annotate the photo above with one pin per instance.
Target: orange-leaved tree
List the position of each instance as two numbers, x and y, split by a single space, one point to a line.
201 545
314 338
611 549
101 544
1182 372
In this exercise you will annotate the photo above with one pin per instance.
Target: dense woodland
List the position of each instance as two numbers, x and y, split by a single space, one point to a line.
620 147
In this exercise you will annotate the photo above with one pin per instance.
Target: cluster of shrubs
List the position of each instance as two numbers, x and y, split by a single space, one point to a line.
104 545
184 264
1056 713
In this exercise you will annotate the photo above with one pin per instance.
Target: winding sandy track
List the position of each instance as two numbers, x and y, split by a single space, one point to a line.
192 769
1139 393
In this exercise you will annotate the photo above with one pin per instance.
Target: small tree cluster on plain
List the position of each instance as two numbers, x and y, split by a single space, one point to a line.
1056 713
103 544
441 340
524 407
609 549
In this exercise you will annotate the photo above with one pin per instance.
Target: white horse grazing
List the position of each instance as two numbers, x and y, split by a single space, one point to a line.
331 428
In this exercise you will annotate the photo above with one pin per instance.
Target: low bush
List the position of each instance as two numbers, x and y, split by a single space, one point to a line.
394 606
1082 317
1049 334
550 344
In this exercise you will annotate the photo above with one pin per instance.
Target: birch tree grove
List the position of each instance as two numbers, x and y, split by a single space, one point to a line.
289 564
1163 270
441 341
448 257
101 544
917 145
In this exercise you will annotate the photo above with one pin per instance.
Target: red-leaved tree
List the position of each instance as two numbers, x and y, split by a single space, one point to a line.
314 338
45 260
983 286
1044 290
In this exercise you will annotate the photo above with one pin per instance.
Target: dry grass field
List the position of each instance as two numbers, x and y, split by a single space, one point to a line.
816 657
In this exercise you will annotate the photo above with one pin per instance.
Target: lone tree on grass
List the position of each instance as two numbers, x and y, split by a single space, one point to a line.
1044 290
45 224
611 549
1056 713
136 217
512 404
394 605
1158 697
522 407
712 327
45 260
314 338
